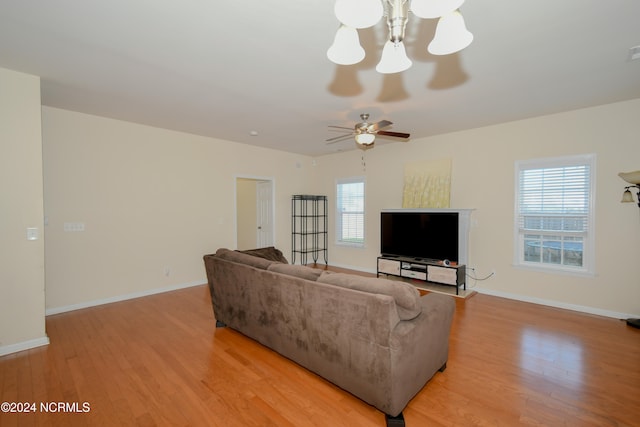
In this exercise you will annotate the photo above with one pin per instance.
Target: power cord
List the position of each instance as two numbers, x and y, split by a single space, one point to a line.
477 279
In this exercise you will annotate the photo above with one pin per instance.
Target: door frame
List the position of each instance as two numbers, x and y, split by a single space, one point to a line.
235 203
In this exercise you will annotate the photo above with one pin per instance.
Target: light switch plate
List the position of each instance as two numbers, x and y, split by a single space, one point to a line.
32 233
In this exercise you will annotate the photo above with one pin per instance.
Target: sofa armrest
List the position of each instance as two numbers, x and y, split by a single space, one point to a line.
420 347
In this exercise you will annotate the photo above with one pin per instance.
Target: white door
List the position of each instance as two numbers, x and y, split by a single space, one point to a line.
264 208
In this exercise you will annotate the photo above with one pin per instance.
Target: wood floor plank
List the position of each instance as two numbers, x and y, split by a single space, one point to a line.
160 361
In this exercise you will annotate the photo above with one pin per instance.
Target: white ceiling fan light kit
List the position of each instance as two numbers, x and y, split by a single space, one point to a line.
365 138
451 32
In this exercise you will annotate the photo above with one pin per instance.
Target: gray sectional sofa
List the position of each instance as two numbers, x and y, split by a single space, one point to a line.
375 338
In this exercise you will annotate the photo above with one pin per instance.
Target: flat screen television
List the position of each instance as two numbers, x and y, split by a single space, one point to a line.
421 235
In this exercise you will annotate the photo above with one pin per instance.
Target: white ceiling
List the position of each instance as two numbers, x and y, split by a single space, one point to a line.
226 68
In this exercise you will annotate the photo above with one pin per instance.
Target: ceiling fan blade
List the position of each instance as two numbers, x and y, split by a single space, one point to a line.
338 138
394 134
342 131
340 127
380 125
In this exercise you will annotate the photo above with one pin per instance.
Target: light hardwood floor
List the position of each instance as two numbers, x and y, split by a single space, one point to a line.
160 361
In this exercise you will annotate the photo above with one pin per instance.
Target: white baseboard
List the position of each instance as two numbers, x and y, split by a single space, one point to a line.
557 304
117 298
24 345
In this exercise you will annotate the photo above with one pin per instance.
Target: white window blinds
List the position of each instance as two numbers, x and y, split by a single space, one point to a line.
555 199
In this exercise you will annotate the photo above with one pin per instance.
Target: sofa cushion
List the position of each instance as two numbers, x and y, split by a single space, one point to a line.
301 271
407 297
270 253
241 258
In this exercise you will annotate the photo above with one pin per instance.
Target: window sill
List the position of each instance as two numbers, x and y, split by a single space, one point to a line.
351 245
555 270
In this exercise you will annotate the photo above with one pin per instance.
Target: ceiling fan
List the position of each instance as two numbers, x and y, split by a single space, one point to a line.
365 132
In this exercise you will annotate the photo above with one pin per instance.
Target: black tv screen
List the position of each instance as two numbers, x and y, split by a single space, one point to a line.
420 235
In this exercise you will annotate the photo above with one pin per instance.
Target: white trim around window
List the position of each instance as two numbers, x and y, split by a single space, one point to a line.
350 217
554 219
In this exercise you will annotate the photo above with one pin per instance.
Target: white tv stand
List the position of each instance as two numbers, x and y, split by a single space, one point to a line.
425 270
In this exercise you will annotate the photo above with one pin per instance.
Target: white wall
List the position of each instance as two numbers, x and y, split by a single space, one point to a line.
483 179
22 305
154 201
150 199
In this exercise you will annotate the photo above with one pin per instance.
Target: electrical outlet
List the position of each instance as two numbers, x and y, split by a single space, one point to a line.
167 271
493 272
74 226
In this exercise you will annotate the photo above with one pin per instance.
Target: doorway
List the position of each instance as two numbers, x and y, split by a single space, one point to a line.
254 213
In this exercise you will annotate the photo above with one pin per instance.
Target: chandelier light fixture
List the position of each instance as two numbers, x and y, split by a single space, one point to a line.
451 33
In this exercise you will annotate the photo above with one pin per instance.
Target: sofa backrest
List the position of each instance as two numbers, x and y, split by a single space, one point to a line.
271 253
406 296
255 300
301 271
242 258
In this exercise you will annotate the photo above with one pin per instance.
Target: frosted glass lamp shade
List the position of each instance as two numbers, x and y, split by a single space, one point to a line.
394 59
346 49
627 197
451 35
631 177
429 9
365 138
358 13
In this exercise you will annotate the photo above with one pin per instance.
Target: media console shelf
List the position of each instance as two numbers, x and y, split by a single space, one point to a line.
426 271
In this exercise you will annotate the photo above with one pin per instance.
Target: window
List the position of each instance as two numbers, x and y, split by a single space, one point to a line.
350 211
554 214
